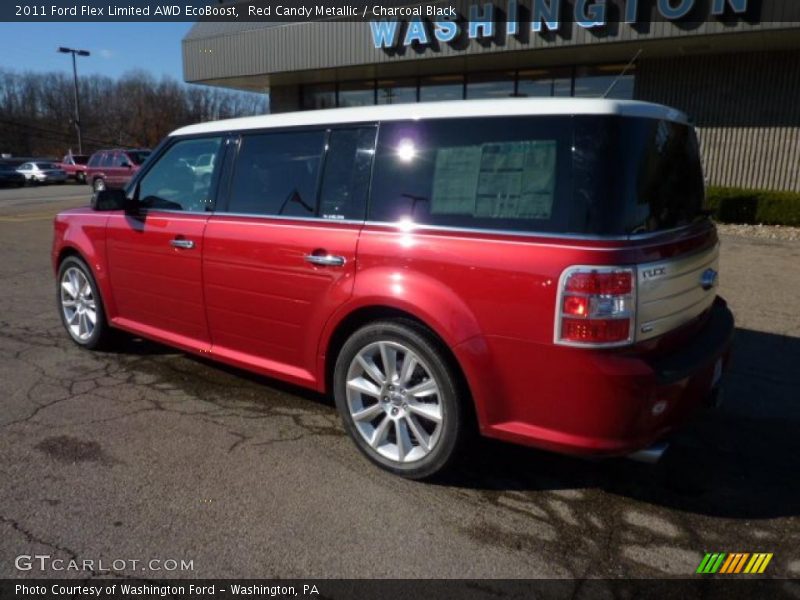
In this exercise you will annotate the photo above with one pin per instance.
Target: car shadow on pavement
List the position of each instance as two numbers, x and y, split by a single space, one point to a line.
740 461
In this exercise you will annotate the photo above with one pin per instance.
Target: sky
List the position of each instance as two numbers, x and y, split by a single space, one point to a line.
115 47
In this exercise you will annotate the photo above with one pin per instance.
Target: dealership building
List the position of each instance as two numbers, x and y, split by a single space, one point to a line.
732 65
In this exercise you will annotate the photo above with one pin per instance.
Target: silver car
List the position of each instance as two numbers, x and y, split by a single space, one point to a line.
42 172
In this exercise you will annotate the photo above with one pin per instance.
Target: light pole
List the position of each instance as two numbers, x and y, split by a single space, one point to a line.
74 51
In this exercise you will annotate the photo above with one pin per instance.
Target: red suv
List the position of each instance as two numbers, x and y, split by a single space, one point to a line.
543 269
113 168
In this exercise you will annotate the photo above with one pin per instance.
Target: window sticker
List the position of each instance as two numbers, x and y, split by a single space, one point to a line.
509 180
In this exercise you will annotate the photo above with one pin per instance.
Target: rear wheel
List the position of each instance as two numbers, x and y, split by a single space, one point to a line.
99 184
81 307
398 398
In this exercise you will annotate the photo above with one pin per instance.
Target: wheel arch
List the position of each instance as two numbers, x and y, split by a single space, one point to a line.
98 272
67 251
364 315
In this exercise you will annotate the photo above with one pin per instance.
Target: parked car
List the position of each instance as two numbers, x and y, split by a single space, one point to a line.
10 176
114 168
42 172
74 165
540 270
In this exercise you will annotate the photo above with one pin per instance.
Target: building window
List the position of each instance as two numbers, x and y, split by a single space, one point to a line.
539 83
397 91
321 95
594 82
357 93
441 87
490 85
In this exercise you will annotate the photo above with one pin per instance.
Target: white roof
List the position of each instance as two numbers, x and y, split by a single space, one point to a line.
443 110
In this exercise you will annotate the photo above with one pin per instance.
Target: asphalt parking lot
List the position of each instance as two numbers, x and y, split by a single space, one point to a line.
146 453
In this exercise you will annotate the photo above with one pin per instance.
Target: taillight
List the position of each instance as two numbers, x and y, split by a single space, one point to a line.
596 306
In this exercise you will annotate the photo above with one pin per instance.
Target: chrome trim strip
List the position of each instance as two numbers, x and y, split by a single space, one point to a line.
427 228
412 228
286 218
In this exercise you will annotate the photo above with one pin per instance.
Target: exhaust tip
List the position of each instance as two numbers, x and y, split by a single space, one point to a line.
650 455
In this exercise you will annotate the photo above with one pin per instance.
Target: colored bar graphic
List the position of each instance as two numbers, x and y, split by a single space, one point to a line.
711 563
734 563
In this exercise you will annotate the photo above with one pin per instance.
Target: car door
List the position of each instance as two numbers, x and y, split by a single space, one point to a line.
280 257
154 252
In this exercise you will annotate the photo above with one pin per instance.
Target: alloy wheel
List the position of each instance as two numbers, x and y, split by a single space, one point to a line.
78 304
394 401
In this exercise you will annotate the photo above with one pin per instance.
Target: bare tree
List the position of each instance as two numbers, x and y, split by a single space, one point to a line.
136 110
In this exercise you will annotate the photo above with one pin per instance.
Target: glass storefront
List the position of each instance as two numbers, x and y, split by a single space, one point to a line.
441 87
319 96
397 91
584 82
596 81
357 93
543 83
490 85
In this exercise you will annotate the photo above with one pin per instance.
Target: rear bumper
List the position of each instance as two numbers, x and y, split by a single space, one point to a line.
595 403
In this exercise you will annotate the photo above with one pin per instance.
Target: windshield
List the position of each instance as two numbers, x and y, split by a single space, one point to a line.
138 156
80 159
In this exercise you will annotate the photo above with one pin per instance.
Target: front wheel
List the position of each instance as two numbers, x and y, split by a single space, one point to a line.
80 305
398 398
99 184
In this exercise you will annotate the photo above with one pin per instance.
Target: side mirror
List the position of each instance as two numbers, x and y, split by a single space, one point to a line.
109 200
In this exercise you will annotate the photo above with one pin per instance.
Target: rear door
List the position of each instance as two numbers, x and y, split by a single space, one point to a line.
154 257
119 173
281 257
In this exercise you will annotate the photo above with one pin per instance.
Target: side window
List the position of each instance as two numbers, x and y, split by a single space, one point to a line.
119 160
495 173
173 184
95 160
276 174
345 179
107 160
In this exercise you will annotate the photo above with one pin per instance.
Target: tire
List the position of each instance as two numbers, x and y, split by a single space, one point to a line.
80 178
99 184
428 423
73 276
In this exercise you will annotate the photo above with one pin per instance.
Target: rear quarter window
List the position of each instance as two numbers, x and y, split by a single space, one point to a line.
493 173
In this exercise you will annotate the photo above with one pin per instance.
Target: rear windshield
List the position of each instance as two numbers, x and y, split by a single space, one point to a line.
79 159
583 175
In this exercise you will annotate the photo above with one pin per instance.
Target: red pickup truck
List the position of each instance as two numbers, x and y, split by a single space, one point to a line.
74 165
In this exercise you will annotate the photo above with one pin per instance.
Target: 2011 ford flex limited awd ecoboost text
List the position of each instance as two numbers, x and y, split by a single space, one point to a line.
542 269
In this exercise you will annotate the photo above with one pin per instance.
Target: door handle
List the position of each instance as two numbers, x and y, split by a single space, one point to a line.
325 260
181 243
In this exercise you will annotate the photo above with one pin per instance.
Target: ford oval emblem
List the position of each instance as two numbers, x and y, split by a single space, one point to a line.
709 279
